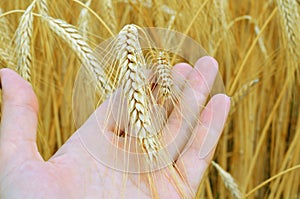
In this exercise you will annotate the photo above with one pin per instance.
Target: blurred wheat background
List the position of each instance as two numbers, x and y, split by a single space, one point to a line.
257 45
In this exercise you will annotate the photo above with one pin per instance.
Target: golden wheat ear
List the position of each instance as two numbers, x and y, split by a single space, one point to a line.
229 181
83 20
5 31
135 88
23 43
109 15
72 37
143 108
43 7
162 71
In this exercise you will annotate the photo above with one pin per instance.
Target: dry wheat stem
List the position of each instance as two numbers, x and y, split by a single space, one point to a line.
133 83
72 37
23 43
229 181
239 72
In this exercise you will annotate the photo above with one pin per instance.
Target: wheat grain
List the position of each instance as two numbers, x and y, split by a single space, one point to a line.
23 42
72 37
134 86
229 181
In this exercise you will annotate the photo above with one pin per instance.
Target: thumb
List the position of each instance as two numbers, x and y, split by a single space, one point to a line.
19 115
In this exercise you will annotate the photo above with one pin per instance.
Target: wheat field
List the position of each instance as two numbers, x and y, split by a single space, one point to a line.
257 45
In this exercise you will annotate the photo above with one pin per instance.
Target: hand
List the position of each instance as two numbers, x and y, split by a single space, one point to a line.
72 172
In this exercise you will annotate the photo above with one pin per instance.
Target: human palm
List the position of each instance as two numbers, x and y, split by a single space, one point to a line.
72 172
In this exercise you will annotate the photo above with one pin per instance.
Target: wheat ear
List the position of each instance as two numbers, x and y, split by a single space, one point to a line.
229 181
43 7
163 72
242 92
4 29
83 20
109 15
290 20
4 40
23 42
134 85
72 37
4 56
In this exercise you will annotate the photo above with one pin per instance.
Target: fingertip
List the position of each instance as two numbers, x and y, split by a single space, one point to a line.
208 61
16 90
183 68
221 99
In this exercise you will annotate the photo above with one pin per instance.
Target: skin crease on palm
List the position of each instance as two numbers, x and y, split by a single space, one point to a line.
72 172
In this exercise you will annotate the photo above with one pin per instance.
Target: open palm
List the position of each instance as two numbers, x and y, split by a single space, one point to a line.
72 172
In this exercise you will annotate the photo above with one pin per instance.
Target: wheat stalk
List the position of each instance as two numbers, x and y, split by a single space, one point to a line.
133 83
229 181
23 42
72 37
157 13
83 20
